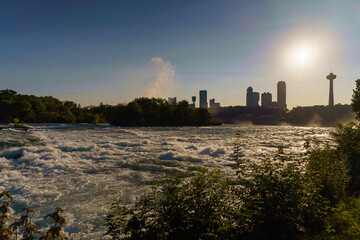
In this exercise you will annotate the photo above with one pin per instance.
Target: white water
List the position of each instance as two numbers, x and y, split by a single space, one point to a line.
83 168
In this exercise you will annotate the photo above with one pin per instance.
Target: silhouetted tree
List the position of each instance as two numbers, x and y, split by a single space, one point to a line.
356 99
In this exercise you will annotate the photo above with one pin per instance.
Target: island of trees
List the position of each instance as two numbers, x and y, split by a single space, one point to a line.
139 112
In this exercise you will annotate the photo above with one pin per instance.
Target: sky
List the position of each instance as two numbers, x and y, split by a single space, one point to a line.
114 51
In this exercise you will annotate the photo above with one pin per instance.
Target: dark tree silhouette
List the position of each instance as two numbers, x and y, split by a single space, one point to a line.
356 100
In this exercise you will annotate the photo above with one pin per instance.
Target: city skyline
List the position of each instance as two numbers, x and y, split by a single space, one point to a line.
91 52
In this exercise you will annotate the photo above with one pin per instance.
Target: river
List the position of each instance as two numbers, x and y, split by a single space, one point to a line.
84 168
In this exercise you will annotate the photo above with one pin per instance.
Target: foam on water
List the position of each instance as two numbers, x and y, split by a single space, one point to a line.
83 168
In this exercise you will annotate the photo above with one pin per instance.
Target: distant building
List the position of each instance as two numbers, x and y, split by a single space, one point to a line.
203 99
256 98
281 94
193 98
275 105
252 98
172 100
249 95
214 104
266 99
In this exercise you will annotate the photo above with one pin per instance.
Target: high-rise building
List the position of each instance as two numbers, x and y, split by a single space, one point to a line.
252 98
203 99
214 104
256 98
249 95
172 100
266 100
281 94
211 102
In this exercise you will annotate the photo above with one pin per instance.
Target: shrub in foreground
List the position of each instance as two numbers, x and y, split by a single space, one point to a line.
24 227
197 208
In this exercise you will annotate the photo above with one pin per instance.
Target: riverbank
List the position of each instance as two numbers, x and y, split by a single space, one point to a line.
313 116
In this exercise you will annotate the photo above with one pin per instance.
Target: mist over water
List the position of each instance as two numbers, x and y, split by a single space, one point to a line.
84 168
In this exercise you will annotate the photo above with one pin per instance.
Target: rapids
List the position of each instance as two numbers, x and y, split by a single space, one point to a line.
84 168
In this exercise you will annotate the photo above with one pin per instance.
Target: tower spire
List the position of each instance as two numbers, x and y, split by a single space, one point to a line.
331 78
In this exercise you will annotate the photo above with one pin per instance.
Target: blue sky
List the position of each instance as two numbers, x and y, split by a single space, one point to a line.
114 51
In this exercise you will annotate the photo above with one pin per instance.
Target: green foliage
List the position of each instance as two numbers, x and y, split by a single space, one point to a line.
196 208
140 112
327 169
272 198
344 223
158 112
347 139
5 217
31 109
279 199
356 99
25 225
12 228
57 221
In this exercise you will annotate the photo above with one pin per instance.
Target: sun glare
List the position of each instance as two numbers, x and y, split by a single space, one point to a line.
302 55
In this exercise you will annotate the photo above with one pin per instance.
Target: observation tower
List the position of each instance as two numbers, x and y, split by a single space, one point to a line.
331 78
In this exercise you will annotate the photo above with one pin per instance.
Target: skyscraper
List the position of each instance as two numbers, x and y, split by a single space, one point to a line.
255 99
249 95
281 94
252 98
203 99
266 99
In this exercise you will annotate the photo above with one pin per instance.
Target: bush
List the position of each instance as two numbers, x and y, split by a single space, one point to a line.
12 228
280 200
200 207
347 139
327 169
344 223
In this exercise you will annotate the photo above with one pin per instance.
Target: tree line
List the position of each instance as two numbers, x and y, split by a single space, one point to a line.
319 115
139 112
33 109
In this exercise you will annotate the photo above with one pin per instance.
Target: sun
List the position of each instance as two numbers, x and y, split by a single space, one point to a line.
303 55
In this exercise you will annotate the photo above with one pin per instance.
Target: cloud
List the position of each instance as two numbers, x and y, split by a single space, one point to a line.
163 81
